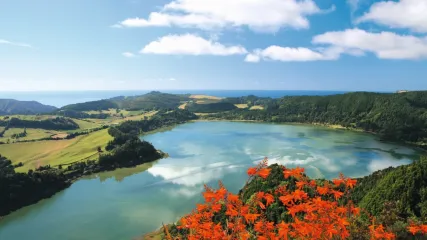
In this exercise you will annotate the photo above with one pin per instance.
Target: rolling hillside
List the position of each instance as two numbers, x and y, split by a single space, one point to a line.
10 106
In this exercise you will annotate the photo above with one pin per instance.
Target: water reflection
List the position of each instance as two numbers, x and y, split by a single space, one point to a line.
121 173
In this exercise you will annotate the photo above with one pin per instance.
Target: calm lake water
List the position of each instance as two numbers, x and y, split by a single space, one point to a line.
127 203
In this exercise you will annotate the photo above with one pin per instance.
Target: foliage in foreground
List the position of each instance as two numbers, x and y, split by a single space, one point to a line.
308 209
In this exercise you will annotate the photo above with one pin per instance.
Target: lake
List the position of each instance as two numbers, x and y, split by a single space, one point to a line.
127 203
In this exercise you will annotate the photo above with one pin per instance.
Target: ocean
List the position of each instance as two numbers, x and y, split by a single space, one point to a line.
62 98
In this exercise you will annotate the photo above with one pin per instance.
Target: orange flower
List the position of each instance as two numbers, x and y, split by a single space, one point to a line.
413 229
251 217
264 172
252 171
424 228
337 194
351 183
269 198
322 190
338 182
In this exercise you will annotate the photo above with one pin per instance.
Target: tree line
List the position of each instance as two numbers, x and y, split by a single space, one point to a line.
394 117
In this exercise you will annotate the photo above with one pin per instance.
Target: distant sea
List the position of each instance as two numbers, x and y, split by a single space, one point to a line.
62 98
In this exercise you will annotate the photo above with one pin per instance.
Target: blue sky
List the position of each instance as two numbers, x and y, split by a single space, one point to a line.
213 44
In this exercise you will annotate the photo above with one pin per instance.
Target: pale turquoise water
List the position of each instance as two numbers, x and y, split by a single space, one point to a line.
130 202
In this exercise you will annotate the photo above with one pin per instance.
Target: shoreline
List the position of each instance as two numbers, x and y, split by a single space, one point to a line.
416 146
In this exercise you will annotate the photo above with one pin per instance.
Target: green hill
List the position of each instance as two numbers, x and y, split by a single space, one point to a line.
10 107
210 107
91 106
151 100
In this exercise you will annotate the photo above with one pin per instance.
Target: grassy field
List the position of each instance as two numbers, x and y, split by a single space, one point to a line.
31 117
32 134
182 106
113 112
34 154
256 107
241 105
205 97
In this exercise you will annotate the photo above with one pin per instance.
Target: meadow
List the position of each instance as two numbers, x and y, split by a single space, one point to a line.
39 153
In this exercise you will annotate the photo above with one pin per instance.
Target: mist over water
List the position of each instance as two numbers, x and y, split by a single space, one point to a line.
127 203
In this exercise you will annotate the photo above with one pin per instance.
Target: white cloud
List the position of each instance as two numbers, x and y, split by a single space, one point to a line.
411 14
2 41
287 54
252 57
128 54
172 79
258 15
189 44
385 45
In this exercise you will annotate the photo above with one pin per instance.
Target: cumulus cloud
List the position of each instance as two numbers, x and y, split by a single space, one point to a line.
2 41
355 42
385 45
287 54
258 15
189 44
410 14
128 54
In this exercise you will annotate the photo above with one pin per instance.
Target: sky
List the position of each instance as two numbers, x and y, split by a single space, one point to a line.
346 45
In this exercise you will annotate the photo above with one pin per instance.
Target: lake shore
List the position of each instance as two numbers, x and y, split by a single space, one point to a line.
418 146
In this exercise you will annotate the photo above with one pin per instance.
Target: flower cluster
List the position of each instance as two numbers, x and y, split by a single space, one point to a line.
315 210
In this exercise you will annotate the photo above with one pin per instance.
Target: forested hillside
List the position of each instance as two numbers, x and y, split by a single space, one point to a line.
397 117
91 106
149 101
10 106
404 186
21 189
210 107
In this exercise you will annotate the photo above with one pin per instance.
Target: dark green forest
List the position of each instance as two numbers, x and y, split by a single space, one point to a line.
10 107
56 123
91 106
210 107
21 189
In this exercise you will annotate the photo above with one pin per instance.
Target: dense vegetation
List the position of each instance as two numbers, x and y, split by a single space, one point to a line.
395 117
57 123
10 106
277 202
21 189
150 101
89 106
210 107
78 114
405 186
161 119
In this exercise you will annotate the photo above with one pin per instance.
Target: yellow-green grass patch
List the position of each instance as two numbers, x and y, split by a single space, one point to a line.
199 96
34 154
32 134
182 106
88 123
241 105
135 118
257 107
32 117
